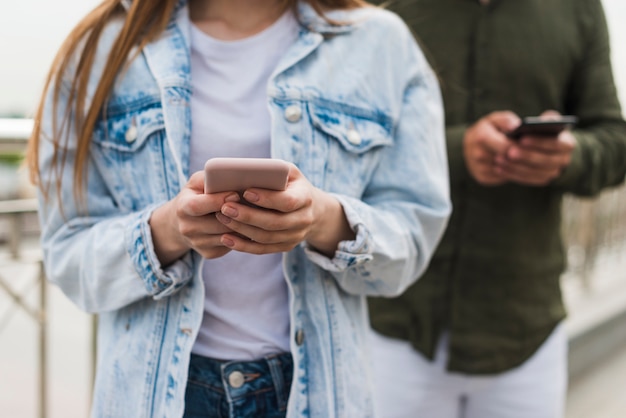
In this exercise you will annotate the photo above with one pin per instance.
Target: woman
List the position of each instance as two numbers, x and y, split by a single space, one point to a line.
208 306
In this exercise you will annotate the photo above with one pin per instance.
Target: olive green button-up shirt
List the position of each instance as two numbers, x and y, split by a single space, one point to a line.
493 283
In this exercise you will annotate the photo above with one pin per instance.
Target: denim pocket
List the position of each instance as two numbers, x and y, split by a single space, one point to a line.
356 130
350 141
128 149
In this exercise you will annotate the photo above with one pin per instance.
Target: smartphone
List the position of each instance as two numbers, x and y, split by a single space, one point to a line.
536 126
239 174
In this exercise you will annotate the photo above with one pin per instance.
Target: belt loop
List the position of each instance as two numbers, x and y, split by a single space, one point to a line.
278 379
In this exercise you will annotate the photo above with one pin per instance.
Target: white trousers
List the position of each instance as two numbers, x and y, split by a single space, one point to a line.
407 385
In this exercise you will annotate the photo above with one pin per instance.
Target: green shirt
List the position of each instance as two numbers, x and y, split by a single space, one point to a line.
493 283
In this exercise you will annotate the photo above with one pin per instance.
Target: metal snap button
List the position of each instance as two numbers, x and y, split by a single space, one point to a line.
293 113
354 137
131 134
299 336
236 379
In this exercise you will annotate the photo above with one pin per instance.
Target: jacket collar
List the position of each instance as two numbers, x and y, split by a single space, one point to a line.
315 23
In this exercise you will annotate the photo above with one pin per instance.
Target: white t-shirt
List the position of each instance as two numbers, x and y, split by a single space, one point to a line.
246 310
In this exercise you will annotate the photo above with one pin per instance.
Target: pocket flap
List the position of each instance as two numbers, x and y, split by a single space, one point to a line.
128 132
357 130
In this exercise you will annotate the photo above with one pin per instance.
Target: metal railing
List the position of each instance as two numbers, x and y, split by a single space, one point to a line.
13 136
15 210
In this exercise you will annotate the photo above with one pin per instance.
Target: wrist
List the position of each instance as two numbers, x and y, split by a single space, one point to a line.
330 225
169 244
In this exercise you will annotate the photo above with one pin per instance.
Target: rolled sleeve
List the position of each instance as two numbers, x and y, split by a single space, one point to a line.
349 253
159 282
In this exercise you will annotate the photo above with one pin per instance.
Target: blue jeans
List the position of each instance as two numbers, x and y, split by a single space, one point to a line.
238 389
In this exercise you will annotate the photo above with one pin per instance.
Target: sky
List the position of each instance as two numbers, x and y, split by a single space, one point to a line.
31 31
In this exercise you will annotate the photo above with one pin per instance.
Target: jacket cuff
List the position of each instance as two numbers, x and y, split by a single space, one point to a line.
349 253
159 282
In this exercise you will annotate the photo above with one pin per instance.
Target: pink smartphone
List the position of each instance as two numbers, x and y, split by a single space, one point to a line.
239 174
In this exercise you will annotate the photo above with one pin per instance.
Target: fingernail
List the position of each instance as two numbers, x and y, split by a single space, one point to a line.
227 242
223 219
251 197
229 211
234 197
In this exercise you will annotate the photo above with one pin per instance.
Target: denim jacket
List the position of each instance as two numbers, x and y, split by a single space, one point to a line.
356 107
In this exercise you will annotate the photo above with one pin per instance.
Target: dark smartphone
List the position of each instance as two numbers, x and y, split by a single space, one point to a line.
536 126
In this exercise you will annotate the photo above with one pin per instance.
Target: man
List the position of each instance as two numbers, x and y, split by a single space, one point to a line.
480 334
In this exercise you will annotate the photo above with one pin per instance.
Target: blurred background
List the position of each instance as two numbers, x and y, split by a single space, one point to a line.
46 344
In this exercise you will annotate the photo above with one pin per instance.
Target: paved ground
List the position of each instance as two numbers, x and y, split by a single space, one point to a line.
600 393
600 390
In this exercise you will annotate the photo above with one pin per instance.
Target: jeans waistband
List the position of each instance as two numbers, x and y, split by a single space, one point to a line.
242 382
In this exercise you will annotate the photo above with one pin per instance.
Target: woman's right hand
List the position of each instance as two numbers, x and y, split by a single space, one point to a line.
188 222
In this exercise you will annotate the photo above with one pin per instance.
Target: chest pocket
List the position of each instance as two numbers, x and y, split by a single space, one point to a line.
128 150
353 140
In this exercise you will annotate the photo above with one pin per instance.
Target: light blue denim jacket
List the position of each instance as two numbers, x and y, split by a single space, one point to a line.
365 123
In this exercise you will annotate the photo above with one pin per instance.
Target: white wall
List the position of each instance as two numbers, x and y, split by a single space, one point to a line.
31 31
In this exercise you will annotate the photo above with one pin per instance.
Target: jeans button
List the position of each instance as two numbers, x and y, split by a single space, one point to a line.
236 379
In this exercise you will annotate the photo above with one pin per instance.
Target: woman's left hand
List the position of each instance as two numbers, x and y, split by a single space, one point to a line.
283 219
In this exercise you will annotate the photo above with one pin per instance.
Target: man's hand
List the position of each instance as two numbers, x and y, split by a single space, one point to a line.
493 158
537 160
485 143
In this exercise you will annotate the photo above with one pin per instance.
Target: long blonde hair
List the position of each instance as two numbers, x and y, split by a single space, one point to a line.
145 20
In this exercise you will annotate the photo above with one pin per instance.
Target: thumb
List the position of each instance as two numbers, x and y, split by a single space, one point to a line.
504 121
196 181
550 115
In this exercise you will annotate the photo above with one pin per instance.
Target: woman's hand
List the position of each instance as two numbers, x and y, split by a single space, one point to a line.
188 222
283 219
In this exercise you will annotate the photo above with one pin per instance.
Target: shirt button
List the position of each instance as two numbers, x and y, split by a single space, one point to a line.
299 337
293 113
131 134
236 379
354 137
